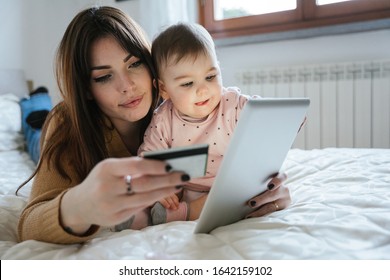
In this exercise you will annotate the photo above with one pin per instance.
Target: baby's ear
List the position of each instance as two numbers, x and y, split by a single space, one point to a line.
162 89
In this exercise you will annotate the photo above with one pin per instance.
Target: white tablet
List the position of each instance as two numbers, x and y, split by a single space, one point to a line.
264 134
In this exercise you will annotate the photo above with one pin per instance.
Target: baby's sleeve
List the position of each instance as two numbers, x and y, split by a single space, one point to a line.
242 99
157 134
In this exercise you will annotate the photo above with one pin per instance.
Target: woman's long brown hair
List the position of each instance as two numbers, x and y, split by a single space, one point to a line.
80 122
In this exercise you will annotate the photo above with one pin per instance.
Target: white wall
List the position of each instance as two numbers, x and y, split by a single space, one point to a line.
362 46
11 34
31 30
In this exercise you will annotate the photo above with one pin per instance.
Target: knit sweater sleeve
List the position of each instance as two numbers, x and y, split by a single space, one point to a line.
40 220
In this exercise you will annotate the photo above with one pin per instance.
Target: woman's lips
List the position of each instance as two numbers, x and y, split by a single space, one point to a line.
132 103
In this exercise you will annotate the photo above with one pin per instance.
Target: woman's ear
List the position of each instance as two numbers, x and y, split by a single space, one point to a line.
162 89
155 83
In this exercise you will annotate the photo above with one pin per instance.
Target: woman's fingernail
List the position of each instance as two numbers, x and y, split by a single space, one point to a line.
185 177
179 187
168 168
253 203
271 186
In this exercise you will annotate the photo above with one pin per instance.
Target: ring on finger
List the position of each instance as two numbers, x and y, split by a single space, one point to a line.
276 205
129 188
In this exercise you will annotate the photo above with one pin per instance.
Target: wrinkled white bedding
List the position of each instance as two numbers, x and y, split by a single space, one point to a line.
340 210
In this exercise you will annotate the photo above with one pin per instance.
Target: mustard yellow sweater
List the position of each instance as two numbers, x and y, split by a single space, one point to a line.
40 220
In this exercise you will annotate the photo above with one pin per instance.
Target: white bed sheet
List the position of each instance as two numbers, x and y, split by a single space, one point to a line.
340 210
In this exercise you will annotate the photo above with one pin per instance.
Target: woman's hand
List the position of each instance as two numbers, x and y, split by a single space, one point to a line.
276 198
109 196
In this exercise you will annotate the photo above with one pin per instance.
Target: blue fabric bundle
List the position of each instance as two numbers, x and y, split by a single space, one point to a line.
34 111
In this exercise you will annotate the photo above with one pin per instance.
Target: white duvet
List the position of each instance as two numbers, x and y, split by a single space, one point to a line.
340 210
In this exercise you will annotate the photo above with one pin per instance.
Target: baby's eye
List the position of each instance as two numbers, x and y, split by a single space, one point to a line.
210 78
187 84
102 79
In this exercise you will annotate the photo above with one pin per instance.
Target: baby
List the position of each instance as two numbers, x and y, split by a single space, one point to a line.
196 109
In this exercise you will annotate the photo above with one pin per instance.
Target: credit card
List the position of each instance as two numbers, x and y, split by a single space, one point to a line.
189 159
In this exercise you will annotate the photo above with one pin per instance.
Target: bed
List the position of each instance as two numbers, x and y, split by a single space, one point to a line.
340 210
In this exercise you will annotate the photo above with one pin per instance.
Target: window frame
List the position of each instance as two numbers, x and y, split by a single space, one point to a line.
306 15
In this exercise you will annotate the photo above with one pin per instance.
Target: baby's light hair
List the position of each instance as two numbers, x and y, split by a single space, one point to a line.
179 41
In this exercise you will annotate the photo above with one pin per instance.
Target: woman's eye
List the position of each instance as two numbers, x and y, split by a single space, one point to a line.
136 64
102 79
187 84
210 78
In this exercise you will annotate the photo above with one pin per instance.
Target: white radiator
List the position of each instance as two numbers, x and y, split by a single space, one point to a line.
350 102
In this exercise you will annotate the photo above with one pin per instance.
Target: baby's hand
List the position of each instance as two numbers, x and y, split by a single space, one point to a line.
170 202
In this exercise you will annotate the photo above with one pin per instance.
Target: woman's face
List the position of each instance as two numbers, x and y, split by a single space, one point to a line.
121 83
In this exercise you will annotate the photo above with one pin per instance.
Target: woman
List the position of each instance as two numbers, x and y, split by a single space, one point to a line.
86 178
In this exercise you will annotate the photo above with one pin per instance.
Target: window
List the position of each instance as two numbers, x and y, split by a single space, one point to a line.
229 18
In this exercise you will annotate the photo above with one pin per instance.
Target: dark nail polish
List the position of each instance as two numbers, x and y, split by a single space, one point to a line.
185 177
271 186
179 187
168 168
253 203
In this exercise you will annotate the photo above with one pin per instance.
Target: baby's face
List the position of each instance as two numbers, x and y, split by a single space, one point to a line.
193 85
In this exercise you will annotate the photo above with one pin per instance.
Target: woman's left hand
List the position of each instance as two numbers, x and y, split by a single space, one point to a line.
276 198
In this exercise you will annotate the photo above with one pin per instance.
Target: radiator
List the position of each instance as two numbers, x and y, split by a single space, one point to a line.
350 102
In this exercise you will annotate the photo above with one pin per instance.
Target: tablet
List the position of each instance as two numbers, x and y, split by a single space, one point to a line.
264 134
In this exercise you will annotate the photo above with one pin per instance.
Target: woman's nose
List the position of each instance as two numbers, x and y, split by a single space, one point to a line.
126 84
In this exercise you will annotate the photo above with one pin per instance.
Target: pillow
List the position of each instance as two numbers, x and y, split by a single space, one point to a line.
13 80
11 136
10 113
